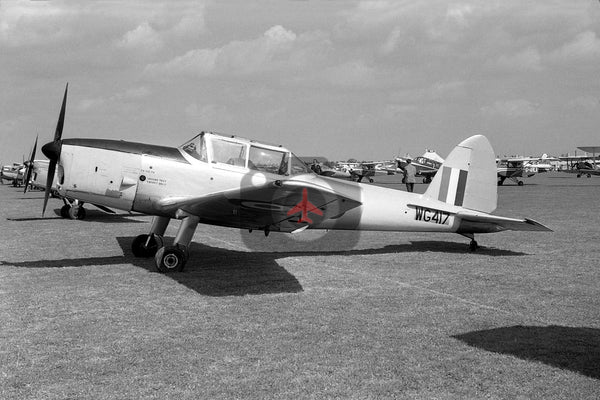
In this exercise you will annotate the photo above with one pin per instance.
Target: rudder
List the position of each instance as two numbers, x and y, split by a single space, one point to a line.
467 178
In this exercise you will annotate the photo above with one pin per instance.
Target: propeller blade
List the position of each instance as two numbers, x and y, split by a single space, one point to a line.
30 165
49 180
61 117
52 150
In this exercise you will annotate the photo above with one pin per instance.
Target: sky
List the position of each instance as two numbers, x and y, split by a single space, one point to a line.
342 79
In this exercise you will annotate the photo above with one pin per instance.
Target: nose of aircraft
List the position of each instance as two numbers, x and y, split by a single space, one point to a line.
52 150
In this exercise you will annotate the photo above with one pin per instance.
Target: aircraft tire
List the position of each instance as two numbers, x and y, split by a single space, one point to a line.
520 183
64 211
77 212
140 249
170 259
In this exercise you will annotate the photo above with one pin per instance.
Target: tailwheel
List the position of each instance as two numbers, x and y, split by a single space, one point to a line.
371 180
146 245
473 246
170 259
76 212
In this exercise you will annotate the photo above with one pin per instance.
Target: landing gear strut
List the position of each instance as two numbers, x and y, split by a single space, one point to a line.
146 245
167 258
473 245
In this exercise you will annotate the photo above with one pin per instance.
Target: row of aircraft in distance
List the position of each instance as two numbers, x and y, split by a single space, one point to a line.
235 182
427 165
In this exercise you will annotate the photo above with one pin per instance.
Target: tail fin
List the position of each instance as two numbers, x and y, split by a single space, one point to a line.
468 177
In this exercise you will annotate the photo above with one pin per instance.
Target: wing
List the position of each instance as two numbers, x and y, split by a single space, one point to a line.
263 207
487 223
426 173
574 158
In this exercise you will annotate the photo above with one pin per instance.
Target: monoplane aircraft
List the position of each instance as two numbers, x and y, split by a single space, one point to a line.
13 173
240 183
426 165
513 168
359 170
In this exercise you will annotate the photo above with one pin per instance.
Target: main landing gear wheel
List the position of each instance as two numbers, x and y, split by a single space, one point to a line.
72 212
146 245
64 211
170 259
520 183
473 246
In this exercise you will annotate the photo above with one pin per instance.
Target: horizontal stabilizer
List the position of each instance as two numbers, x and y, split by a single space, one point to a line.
486 223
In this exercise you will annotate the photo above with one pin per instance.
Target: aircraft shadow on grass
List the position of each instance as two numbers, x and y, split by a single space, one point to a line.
222 272
574 349
91 216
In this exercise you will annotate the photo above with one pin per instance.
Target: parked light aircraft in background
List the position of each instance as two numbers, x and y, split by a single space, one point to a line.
240 183
426 165
583 165
513 168
363 170
545 163
523 167
39 175
357 171
13 173
340 173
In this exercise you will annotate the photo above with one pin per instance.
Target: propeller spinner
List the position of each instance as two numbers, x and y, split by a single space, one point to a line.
52 150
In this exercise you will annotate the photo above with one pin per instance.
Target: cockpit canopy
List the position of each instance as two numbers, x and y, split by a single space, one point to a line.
231 150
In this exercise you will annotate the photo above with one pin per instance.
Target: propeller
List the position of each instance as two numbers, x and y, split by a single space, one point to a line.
29 165
52 150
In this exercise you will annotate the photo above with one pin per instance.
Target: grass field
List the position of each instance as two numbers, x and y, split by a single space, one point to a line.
324 315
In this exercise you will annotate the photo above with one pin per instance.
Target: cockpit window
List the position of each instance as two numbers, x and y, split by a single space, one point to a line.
298 166
196 148
267 160
255 157
228 152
